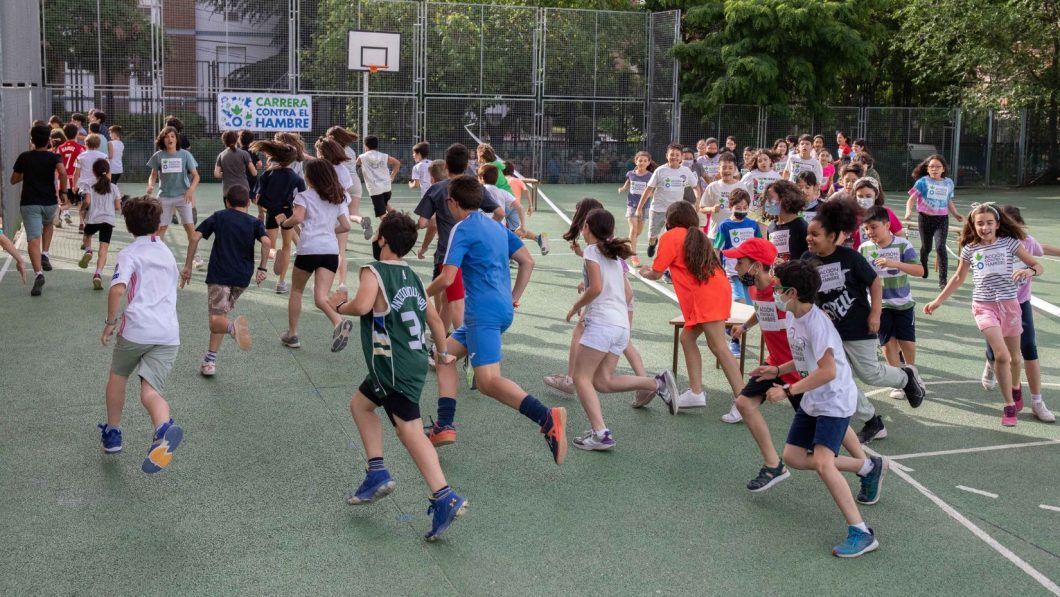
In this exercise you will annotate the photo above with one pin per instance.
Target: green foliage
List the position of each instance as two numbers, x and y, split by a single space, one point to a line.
123 39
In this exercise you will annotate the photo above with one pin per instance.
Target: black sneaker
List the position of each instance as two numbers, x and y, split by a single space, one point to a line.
45 263
914 386
873 429
768 477
651 249
38 283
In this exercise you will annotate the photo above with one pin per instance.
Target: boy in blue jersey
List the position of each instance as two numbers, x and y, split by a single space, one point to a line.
481 250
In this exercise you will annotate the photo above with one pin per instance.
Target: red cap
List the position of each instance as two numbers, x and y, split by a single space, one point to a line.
758 249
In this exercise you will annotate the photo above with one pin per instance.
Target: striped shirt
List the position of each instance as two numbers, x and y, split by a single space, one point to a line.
992 267
897 293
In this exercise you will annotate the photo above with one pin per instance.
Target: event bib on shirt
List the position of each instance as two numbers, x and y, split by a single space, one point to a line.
798 353
892 253
738 235
172 165
780 239
636 187
938 195
768 316
831 277
991 261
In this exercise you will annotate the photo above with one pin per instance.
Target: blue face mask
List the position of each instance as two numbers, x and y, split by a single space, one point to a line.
772 209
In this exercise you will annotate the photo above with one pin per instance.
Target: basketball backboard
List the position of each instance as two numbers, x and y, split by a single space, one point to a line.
374 48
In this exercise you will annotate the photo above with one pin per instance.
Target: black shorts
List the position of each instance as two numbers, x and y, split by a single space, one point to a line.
115 177
310 263
897 323
757 388
104 230
270 216
379 203
394 404
73 196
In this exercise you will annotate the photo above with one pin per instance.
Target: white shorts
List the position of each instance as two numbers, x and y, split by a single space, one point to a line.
656 224
355 188
605 337
178 205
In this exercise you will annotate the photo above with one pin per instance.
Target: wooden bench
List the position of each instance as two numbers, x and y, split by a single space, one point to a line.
739 315
531 191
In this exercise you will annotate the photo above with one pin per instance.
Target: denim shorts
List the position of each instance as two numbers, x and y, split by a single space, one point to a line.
36 217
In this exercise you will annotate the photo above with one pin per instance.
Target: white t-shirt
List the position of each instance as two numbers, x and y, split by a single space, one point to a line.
717 193
117 147
101 207
756 182
85 161
149 271
610 306
810 336
345 181
669 184
420 173
318 228
500 196
375 170
351 167
796 165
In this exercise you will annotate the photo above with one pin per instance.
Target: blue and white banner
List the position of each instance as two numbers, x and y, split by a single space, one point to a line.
264 112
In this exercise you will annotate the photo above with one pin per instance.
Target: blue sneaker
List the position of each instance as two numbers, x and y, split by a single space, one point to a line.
110 439
161 452
445 509
734 348
376 485
872 482
858 543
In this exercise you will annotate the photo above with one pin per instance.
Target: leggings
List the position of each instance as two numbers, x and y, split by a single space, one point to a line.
1028 340
934 228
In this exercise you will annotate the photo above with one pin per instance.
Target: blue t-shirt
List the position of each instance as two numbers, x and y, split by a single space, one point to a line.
481 248
232 255
277 188
637 184
731 233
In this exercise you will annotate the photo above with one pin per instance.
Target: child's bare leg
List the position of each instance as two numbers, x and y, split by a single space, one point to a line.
86 242
752 417
115 398
456 312
218 331
718 342
341 273
422 452
1002 362
636 362
1016 367
908 351
853 445
101 256
575 339
827 466
447 377
1034 376
634 232
493 384
890 353
299 277
157 407
368 425
287 241
605 380
693 358
586 362
322 280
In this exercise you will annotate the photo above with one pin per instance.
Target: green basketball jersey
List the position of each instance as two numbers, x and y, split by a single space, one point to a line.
394 342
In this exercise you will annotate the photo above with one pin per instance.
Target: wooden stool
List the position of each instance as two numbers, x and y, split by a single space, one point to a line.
739 315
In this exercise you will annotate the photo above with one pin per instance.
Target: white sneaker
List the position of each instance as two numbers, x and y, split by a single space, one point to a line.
897 394
1042 412
281 288
560 383
208 369
988 379
690 400
198 262
733 416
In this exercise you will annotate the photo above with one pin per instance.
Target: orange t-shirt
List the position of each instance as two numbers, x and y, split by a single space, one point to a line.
518 186
701 302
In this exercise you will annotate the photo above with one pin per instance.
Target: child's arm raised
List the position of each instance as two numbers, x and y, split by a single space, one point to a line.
593 290
951 287
1051 250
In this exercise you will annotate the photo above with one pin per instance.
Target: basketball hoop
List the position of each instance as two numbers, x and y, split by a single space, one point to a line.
374 68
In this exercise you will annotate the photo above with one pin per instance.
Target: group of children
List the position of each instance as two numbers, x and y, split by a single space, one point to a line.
826 292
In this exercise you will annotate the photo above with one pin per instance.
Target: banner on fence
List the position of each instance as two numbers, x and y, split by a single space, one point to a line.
264 111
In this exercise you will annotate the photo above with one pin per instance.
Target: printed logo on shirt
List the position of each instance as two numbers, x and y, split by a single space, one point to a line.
172 165
833 277
798 353
767 316
780 240
990 262
738 235
636 187
892 253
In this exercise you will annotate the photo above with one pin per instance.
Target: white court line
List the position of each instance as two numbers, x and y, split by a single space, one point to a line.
981 534
977 491
1053 508
973 450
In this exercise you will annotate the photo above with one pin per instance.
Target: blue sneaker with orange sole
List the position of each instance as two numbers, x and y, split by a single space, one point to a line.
444 510
555 430
160 455
441 435
376 486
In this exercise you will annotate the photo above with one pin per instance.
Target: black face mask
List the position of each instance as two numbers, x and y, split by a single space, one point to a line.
711 154
748 279
377 249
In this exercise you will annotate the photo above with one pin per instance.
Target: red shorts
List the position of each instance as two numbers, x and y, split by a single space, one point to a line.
455 291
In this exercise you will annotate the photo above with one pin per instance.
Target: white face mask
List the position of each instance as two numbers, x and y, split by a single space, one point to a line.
866 202
781 302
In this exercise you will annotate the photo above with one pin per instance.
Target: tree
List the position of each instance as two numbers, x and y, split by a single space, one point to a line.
71 40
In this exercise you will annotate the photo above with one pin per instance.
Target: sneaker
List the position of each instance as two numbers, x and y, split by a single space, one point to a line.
97 282
85 259
897 394
733 416
542 241
590 440
59 223
1042 412
441 435
651 249
45 263
208 368
67 218
445 510
873 429
1017 397
290 341
160 454
1008 416
988 379
667 277
241 333
281 288
560 383
110 439
366 225
38 284
641 398
872 482
690 400
81 227
376 486
667 384
914 386
555 430
858 543
198 262
768 477
734 348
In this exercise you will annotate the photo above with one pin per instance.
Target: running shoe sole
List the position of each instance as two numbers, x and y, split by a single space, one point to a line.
381 492
871 547
366 225
341 336
97 283
242 333
459 512
85 259
161 455
559 433
781 477
442 438
671 390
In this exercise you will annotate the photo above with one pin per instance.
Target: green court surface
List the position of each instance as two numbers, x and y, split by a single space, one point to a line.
253 503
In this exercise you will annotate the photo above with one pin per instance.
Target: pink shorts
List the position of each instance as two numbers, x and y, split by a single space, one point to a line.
1003 314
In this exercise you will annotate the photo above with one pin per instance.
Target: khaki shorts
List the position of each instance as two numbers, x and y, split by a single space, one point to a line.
155 361
178 205
222 299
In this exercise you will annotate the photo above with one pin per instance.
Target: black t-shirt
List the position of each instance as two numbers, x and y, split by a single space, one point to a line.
277 187
789 239
38 176
232 255
844 295
434 203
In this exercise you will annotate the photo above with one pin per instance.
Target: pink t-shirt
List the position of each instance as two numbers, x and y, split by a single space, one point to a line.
896 226
828 171
1023 291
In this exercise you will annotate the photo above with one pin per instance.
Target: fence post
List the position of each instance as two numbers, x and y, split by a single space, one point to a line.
956 159
675 124
989 143
1022 148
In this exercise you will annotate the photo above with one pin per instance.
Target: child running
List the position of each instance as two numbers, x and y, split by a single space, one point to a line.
828 399
117 153
990 246
100 203
421 178
233 166
177 174
321 210
482 250
379 171
346 139
787 231
731 233
394 314
148 332
715 200
758 180
665 187
606 333
230 270
703 294
331 152
933 194
83 176
514 213
277 187
636 182
868 194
